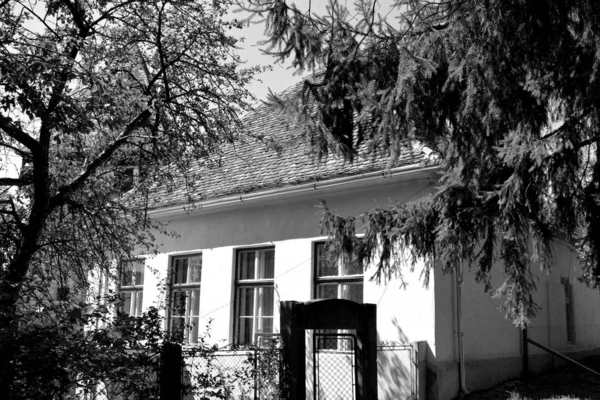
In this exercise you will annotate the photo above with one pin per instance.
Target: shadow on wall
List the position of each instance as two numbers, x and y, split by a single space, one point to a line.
397 369
395 372
400 336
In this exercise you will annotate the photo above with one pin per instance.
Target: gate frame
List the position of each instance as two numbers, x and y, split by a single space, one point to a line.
296 317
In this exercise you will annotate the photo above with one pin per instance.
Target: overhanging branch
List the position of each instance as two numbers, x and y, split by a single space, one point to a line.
14 182
8 127
587 142
64 191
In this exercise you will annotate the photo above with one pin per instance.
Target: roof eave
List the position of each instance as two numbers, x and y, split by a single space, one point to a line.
369 179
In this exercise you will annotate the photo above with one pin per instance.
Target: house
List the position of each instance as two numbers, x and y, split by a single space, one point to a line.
252 240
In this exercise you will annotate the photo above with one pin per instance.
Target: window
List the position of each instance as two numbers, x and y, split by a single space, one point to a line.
131 287
186 272
128 177
336 278
569 309
254 295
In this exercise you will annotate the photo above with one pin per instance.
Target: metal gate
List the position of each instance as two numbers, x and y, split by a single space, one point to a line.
334 359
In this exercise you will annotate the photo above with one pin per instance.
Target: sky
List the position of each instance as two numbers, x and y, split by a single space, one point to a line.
281 76
278 78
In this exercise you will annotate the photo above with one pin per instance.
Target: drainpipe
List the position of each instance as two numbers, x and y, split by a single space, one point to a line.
459 333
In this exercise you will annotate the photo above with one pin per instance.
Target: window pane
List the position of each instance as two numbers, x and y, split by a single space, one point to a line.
327 291
246 265
126 302
350 291
193 331
245 330
265 325
195 303
246 301
139 296
132 273
266 260
138 272
351 267
353 291
126 274
179 303
178 328
195 269
266 297
185 320
325 266
180 270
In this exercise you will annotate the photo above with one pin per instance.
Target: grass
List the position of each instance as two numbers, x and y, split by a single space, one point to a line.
567 383
516 396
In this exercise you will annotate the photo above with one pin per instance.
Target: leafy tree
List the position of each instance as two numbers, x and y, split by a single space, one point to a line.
84 352
67 357
508 95
96 96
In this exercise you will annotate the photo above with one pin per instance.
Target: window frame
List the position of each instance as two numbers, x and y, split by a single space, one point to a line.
136 289
250 283
128 176
338 280
188 330
569 310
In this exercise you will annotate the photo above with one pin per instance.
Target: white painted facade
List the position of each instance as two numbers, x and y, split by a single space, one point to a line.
288 221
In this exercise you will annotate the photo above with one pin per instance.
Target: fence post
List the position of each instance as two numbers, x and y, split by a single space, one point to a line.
421 373
171 367
256 372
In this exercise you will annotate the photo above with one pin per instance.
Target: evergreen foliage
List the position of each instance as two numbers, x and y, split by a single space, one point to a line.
508 95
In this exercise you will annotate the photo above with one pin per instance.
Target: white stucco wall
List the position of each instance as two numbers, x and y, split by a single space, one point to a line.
492 344
291 227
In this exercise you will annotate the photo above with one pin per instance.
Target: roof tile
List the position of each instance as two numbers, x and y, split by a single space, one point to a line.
252 165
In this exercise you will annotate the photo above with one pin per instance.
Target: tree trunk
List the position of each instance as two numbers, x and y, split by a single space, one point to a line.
16 273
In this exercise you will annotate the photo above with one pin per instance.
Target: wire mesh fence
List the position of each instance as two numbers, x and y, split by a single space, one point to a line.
335 369
254 374
334 366
397 371
232 374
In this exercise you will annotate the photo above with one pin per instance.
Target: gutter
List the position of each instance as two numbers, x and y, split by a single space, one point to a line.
398 174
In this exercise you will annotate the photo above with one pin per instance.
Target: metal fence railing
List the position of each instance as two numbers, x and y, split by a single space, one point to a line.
558 337
232 374
397 371
254 374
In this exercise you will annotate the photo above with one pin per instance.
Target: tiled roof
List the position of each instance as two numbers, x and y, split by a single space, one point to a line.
254 163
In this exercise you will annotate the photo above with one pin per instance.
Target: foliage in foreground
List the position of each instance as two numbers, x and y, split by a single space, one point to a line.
516 396
82 351
97 97
82 346
71 357
507 95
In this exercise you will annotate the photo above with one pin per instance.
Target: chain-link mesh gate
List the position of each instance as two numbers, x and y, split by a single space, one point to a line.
334 357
